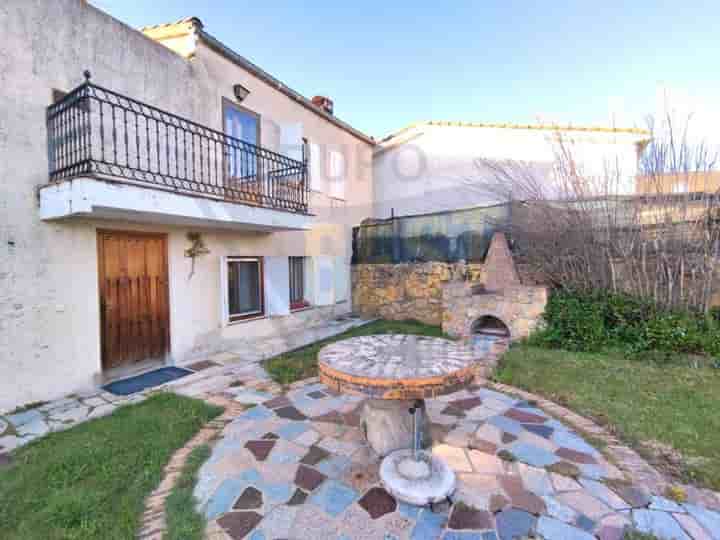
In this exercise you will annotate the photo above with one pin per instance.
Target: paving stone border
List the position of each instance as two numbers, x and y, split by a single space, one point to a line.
153 522
637 469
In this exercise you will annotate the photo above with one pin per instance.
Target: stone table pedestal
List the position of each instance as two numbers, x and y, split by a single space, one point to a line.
388 425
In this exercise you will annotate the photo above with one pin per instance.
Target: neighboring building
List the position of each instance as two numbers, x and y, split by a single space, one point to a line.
690 182
437 166
193 202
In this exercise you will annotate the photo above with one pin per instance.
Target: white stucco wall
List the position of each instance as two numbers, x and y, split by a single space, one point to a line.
49 305
432 168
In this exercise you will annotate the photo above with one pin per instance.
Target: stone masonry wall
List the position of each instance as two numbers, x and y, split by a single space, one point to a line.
407 290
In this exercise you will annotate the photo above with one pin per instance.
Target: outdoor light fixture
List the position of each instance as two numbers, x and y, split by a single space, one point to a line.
240 92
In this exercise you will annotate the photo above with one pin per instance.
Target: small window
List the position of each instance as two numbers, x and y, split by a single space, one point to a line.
298 298
244 288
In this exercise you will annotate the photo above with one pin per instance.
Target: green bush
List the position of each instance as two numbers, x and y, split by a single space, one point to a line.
591 322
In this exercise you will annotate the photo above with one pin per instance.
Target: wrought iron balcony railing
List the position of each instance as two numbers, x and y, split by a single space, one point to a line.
93 131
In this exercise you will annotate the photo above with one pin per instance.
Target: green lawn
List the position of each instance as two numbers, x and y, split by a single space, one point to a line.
184 522
675 403
302 363
90 482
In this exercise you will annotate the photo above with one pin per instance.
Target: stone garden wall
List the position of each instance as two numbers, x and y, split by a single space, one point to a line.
407 290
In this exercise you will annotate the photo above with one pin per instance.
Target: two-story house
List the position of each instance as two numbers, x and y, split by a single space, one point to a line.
173 201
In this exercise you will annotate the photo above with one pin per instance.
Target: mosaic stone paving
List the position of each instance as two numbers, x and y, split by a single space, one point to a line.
295 466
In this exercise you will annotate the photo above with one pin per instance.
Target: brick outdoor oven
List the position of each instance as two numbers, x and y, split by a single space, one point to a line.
502 306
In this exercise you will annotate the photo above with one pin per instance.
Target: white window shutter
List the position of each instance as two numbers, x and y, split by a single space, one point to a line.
277 285
316 172
270 132
310 280
342 279
336 174
291 140
324 274
224 310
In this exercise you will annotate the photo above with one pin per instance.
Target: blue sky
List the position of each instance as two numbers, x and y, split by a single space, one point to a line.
388 64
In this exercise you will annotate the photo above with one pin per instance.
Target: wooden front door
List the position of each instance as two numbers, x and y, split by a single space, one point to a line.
134 306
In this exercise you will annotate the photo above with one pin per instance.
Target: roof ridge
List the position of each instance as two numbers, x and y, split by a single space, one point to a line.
510 125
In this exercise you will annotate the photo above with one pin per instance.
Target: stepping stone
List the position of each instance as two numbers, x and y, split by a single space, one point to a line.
610 532
224 496
508 438
543 431
333 497
291 413
707 518
528 501
482 446
558 510
466 517
692 527
250 499
429 526
377 502
666 505
308 478
292 430
333 417
533 455
497 503
25 417
280 401
334 466
453 411
585 522
467 403
239 524
661 524
606 495
574 455
260 449
525 417
508 425
317 394
512 485
564 468
314 456
512 524
298 498
635 497
353 419
557 530
470 535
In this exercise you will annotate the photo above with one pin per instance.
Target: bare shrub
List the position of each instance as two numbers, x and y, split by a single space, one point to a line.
658 240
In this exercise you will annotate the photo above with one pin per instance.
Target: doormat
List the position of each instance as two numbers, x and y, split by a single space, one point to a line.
138 383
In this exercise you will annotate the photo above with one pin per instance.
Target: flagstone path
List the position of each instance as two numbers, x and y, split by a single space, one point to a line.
295 466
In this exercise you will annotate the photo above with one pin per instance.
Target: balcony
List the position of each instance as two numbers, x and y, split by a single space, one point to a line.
113 157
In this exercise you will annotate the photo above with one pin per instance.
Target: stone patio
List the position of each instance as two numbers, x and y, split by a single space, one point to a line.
295 466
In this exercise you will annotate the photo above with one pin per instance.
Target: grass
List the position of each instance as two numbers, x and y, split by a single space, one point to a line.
674 404
90 482
302 363
183 520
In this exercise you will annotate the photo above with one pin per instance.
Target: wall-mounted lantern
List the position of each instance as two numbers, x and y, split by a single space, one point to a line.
240 92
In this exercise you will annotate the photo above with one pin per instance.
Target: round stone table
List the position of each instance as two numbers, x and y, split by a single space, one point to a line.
397 373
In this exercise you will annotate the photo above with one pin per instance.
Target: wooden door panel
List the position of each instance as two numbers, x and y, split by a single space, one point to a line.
133 297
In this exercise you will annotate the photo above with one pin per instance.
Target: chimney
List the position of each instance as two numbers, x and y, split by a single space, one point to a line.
325 103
